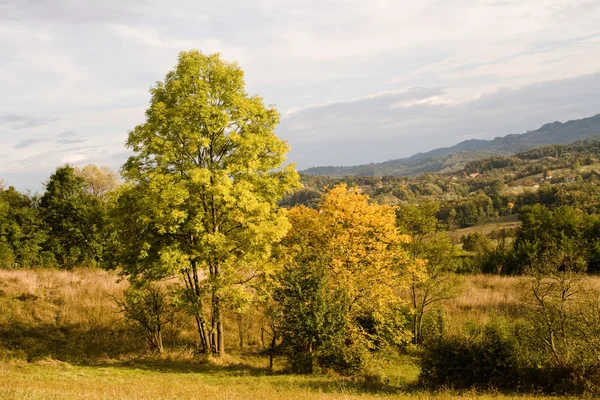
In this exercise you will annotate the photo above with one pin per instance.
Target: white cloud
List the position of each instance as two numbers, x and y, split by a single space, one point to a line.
90 64
395 126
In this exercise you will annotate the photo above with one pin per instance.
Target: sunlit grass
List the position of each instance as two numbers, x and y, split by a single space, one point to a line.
160 380
49 315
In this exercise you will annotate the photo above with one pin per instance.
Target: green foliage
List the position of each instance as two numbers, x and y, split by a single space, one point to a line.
203 186
488 164
486 360
434 262
313 319
75 219
149 308
564 231
22 232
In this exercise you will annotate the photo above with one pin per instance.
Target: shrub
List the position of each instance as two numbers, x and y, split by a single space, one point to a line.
506 358
149 308
485 361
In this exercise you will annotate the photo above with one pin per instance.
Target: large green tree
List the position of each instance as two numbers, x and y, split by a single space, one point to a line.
202 188
75 218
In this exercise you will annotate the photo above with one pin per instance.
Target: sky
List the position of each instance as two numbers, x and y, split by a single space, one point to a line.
356 81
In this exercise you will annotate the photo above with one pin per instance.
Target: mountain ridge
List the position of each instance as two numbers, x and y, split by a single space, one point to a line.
454 158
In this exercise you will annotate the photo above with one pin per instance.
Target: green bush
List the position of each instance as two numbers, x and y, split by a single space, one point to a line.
485 361
502 357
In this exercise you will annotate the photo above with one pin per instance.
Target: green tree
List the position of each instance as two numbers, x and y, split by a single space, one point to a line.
22 231
148 307
433 257
203 187
75 218
544 229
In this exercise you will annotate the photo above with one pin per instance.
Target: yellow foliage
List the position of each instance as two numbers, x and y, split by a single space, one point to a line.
359 245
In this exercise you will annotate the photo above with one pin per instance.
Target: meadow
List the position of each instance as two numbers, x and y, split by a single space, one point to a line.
62 336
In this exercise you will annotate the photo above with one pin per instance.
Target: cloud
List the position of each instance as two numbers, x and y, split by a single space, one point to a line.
23 144
74 157
382 128
337 69
25 121
64 138
67 134
68 10
69 141
68 137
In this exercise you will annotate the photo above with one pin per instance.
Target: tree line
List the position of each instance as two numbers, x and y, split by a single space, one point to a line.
66 226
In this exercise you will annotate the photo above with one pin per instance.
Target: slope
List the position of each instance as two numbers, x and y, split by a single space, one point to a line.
455 158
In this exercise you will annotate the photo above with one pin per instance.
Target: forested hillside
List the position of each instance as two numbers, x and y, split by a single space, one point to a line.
455 158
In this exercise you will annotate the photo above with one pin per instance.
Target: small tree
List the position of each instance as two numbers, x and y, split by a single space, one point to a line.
150 308
101 181
337 287
555 288
436 282
271 330
433 262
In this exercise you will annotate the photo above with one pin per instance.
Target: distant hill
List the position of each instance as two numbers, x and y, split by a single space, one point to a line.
455 158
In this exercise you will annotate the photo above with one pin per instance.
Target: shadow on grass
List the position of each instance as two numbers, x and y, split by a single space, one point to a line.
100 347
72 343
185 367
279 380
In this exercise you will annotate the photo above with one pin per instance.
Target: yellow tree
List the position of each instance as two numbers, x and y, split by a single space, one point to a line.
101 181
202 187
338 287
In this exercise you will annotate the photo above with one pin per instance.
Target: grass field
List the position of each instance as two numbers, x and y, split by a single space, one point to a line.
47 316
170 380
504 222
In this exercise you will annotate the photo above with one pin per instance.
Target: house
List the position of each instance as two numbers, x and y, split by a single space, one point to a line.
570 178
475 175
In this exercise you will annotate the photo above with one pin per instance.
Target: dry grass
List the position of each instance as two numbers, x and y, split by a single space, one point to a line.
491 292
80 297
67 315
56 320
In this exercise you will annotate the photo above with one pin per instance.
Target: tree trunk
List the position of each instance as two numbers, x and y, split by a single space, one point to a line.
272 350
217 315
159 343
202 333
414 304
193 285
240 323
220 339
420 328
